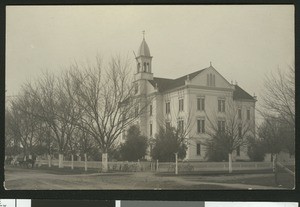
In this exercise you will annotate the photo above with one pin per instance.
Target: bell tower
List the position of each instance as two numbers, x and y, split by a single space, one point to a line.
144 62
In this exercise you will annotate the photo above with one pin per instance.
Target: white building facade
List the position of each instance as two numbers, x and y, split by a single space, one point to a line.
192 101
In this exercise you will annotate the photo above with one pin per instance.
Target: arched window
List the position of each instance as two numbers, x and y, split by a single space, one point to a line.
207 83
210 79
148 68
138 67
214 81
145 67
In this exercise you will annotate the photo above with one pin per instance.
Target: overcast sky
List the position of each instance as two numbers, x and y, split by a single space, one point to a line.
243 42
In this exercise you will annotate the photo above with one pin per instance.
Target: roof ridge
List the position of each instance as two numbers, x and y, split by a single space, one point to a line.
198 71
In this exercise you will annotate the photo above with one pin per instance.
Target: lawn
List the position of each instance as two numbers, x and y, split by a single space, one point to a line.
55 178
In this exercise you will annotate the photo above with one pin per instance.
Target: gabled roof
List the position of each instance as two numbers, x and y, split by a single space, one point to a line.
239 93
165 84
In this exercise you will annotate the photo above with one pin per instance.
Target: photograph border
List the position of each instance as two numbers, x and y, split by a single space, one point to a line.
175 195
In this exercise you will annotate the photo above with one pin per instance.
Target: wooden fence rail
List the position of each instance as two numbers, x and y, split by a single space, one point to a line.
164 166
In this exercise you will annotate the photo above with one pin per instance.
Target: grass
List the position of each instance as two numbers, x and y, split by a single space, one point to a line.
147 180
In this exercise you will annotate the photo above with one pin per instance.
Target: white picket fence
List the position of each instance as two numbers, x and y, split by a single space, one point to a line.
164 166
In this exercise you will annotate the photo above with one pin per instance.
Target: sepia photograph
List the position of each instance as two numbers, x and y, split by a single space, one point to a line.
150 97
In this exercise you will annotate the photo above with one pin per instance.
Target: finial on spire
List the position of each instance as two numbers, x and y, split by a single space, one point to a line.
143 34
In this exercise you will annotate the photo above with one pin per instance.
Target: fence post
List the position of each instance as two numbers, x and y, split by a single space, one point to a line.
85 162
72 161
176 163
49 160
156 165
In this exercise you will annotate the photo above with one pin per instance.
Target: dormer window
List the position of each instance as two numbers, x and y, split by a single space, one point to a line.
211 80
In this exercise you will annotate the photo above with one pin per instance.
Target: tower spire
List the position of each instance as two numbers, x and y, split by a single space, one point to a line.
143 34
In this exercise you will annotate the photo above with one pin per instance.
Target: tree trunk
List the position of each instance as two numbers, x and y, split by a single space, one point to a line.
230 162
49 161
60 161
72 161
104 162
85 162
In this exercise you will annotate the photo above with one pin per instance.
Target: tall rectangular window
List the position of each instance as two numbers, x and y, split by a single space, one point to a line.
150 109
150 129
201 126
180 125
200 104
168 125
248 114
240 131
221 105
198 149
238 151
240 113
167 107
180 104
221 126
207 80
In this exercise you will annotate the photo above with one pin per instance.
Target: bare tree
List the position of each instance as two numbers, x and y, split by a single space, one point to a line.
53 108
279 96
22 126
278 108
228 132
106 100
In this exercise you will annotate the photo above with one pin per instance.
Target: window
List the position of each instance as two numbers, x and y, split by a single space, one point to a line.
201 126
200 104
180 104
240 113
221 126
168 125
221 105
167 107
138 67
148 68
240 131
210 80
150 110
207 80
150 129
180 125
238 151
136 88
198 149
248 114
144 67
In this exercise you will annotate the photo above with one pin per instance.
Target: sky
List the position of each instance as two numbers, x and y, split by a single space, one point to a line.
243 42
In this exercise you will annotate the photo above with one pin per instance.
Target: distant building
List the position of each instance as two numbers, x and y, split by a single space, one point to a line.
190 98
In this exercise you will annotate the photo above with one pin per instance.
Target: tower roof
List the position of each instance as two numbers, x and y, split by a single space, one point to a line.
144 49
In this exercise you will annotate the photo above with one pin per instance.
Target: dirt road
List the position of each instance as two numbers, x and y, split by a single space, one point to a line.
31 179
